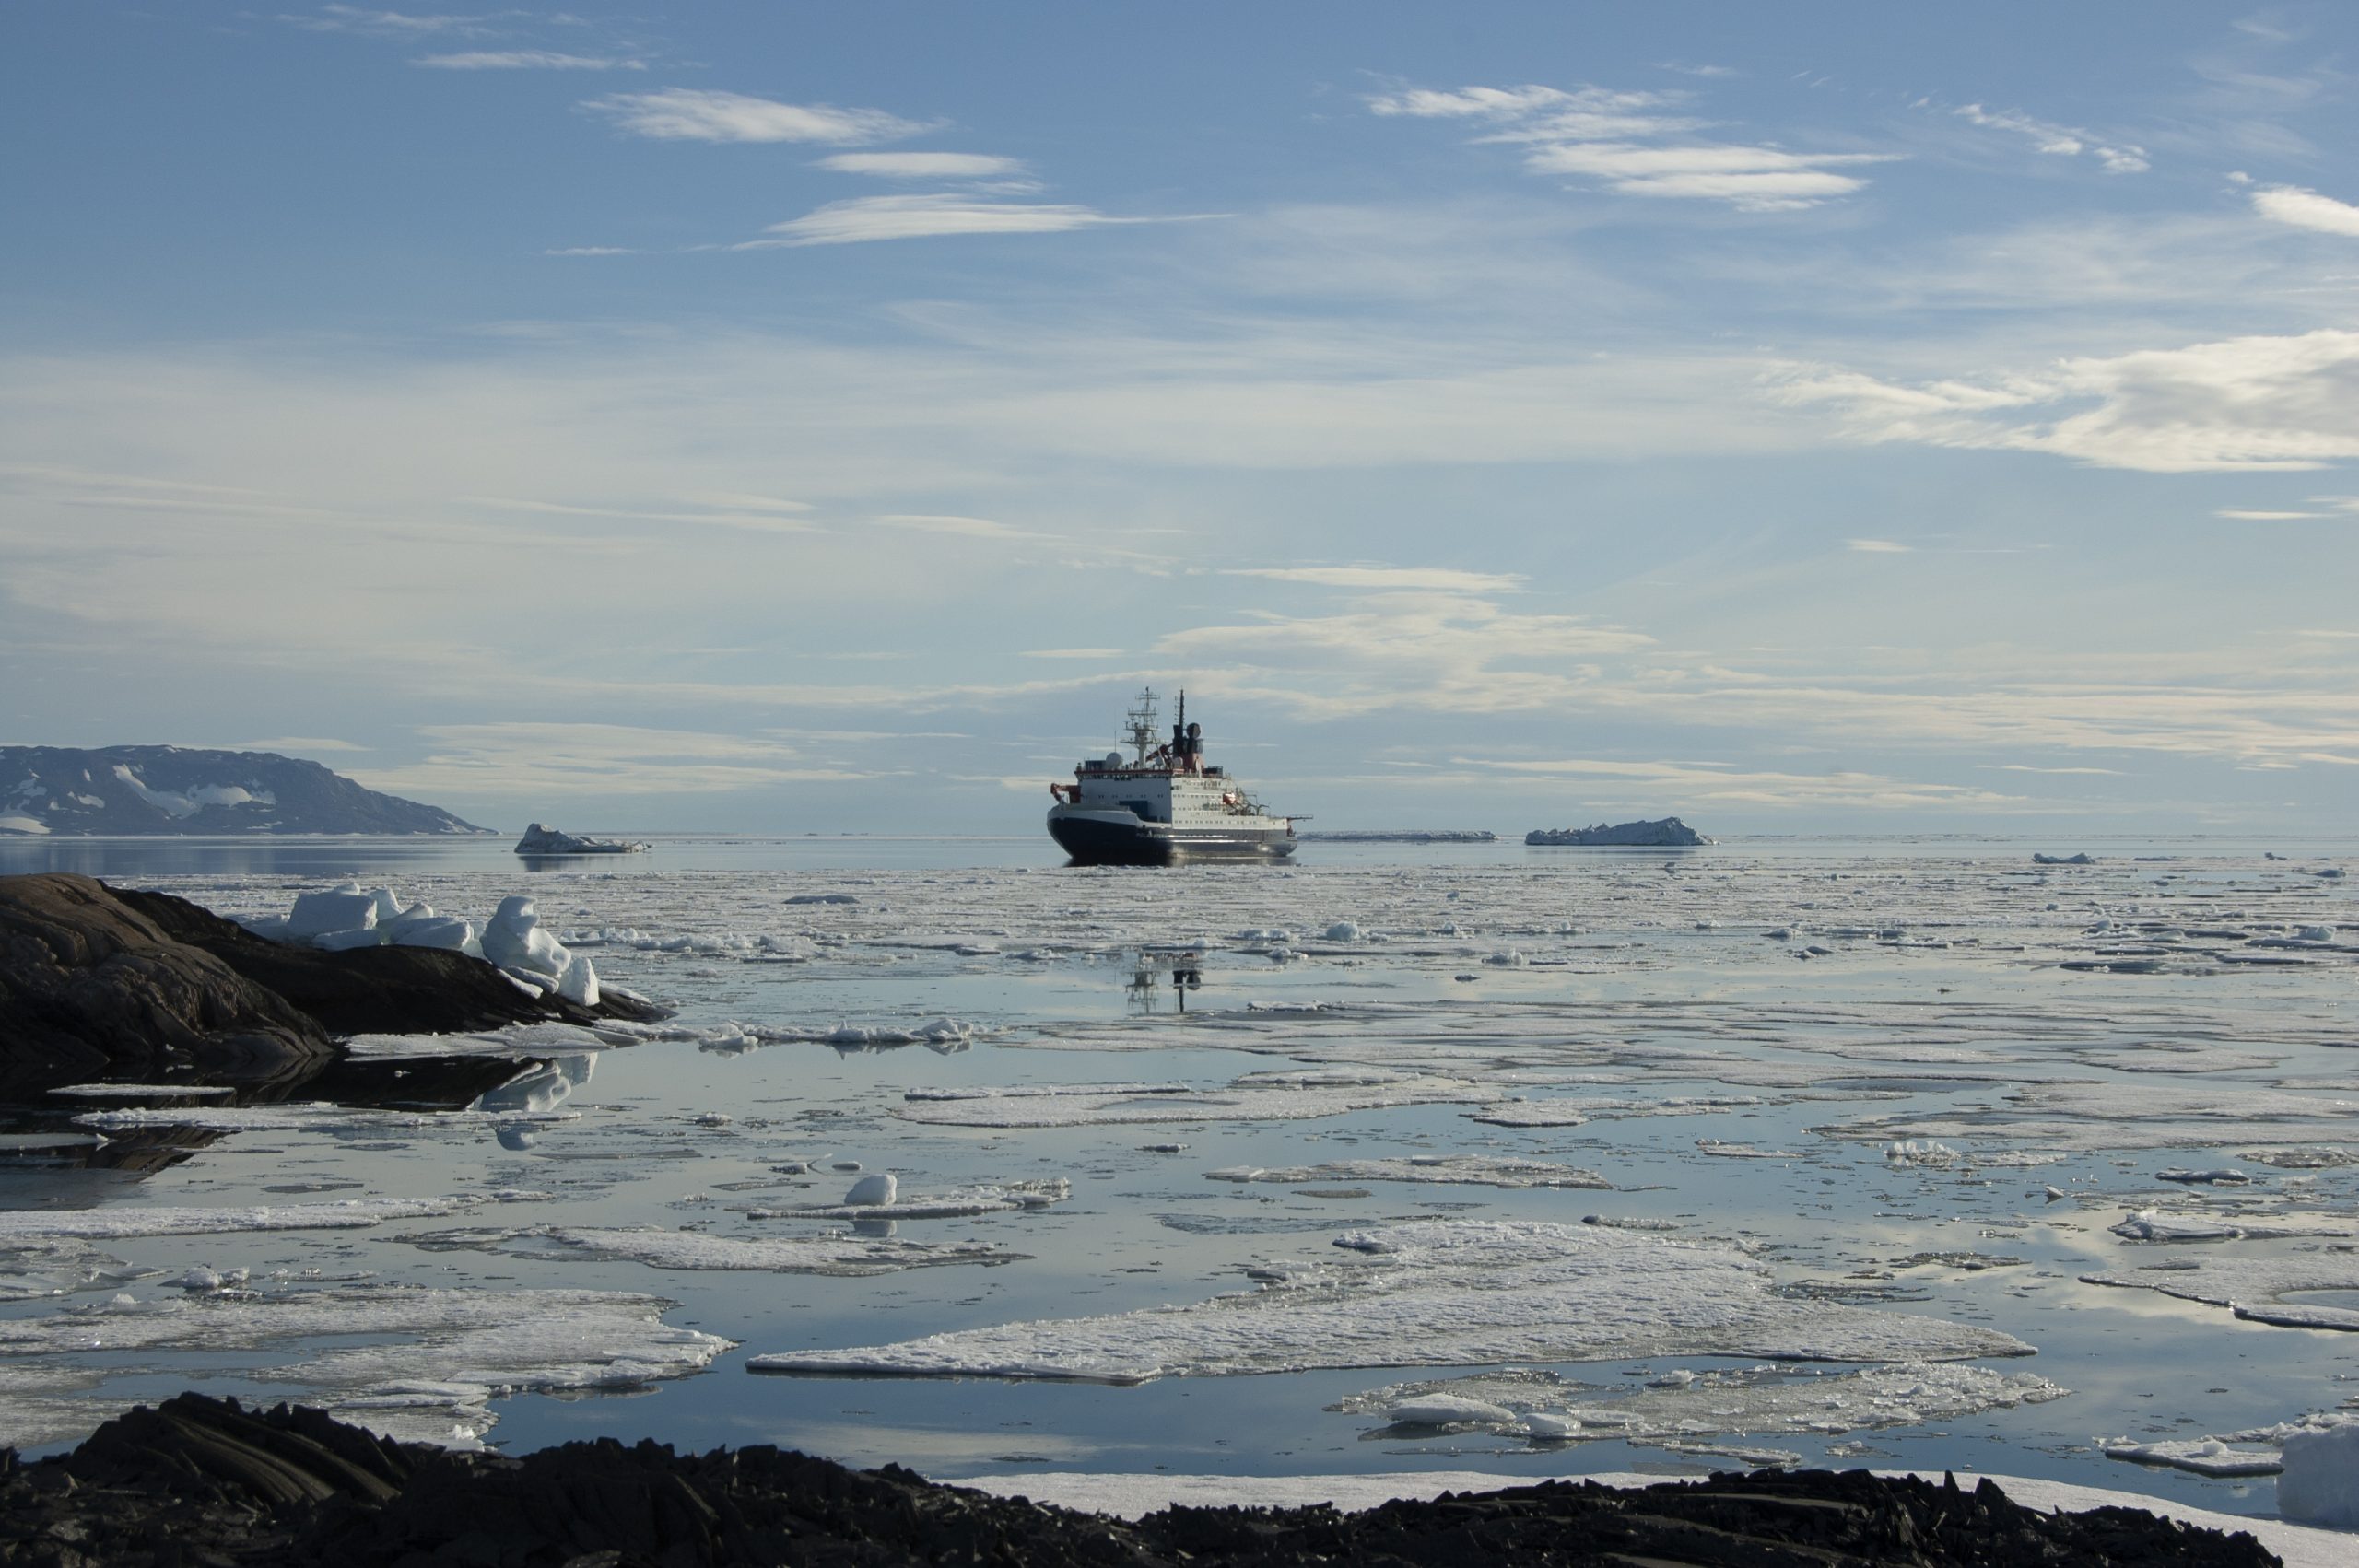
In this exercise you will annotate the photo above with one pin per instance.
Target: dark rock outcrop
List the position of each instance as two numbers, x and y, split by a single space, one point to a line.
204 1481
73 791
97 981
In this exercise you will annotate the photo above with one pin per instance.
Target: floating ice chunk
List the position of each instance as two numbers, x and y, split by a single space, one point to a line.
1473 1169
346 942
1441 1292
845 1255
870 1190
144 1091
316 1116
2250 1285
2082 859
992 1199
1506 959
544 1038
1911 1152
344 908
2320 1483
2205 1178
2204 1456
1255 1097
2149 1225
1682 1406
155 1219
1344 930
1446 1409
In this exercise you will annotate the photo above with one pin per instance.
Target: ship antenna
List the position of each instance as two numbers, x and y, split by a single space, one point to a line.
1142 725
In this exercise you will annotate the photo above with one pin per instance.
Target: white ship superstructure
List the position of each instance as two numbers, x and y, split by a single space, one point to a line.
1164 803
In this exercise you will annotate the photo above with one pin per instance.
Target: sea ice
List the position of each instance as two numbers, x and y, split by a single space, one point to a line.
151 1220
2320 1483
959 1204
1255 1097
1478 1170
1441 1292
844 1255
872 1190
2204 1456
1783 1401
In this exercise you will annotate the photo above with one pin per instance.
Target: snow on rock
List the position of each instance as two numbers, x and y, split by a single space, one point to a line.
1474 1169
1441 1292
515 940
344 908
2320 1483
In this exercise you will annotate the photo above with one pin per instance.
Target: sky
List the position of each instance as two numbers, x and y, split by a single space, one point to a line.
774 416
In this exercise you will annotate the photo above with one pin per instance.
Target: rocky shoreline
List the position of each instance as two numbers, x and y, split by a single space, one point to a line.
204 1481
97 981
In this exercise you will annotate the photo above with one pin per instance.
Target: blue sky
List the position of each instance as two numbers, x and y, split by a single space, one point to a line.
784 417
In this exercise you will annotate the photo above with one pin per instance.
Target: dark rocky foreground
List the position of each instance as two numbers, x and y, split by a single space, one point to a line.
202 1480
97 981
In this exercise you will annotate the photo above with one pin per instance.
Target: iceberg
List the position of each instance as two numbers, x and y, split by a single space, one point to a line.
542 839
1667 833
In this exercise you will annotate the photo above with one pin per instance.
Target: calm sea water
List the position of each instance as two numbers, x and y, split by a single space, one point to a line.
1951 973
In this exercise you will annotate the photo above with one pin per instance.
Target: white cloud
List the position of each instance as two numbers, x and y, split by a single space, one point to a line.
920 218
394 24
540 760
2238 514
295 745
1752 179
1687 784
525 60
1073 652
1627 142
961 527
1444 579
923 164
2247 403
2060 141
700 115
2306 209
1878 546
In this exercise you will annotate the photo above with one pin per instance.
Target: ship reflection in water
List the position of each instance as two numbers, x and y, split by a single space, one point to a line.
1146 987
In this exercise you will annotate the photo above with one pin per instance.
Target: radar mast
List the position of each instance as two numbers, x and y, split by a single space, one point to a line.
1141 721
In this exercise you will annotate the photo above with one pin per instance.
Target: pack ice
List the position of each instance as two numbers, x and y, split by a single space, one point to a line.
1441 1292
346 917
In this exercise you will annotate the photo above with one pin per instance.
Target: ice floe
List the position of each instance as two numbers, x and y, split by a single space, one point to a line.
472 1344
1477 1170
2203 1456
1275 1096
879 1197
1441 1292
844 1256
2320 1483
1682 1406
123 1220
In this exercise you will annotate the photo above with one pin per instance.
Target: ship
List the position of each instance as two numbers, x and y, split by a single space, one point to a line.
1165 804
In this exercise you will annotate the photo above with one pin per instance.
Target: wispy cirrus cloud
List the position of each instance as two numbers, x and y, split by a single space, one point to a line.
2246 402
2306 209
543 759
392 24
1445 579
924 165
1722 784
525 60
864 219
1633 144
694 114
2059 141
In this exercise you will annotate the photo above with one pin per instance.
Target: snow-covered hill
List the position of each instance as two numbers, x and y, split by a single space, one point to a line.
117 790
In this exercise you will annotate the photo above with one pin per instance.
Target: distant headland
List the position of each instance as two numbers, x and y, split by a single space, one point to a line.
70 792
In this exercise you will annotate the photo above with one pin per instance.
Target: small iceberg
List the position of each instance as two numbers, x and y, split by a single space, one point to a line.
1669 833
542 839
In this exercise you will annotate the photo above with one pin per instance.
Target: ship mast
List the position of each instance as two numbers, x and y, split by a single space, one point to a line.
1142 726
